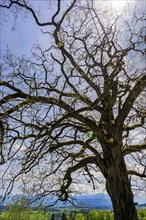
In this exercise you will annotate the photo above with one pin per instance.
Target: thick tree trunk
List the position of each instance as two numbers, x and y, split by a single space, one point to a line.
119 189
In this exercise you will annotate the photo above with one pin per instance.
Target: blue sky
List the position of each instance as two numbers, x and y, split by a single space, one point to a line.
20 35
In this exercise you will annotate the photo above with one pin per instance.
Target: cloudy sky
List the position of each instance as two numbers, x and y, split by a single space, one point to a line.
20 35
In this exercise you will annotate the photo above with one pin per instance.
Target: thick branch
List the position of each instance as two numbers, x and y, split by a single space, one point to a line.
8 98
133 94
133 172
99 160
134 148
25 6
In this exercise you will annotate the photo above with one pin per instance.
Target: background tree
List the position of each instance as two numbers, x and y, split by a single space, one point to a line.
63 217
18 210
72 215
53 216
79 216
76 107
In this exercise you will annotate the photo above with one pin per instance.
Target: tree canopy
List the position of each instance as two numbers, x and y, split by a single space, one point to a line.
76 107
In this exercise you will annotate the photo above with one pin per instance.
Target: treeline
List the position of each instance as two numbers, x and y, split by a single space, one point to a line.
19 210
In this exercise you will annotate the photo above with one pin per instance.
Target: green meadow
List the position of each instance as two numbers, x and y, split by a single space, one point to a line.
22 212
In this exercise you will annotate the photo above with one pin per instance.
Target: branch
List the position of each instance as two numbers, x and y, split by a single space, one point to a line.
9 97
139 125
133 172
25 6
73 62
47 100
2 160
134 148
8 85
68 178
65 13
85 145
133 94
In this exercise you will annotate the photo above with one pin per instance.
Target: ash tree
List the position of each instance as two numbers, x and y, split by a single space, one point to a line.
76 108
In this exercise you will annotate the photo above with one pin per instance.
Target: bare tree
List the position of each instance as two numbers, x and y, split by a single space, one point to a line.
77 106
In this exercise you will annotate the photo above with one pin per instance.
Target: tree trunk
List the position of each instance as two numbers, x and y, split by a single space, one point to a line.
119 189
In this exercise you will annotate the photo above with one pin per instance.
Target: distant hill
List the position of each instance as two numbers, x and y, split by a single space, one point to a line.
98 201
2 208
142 205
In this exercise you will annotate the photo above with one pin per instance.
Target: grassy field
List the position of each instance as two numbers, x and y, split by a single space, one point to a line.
62 214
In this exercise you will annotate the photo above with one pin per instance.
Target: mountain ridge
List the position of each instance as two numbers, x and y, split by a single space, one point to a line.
98 201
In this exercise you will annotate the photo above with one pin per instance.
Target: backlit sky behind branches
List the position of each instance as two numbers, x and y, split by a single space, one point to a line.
18 35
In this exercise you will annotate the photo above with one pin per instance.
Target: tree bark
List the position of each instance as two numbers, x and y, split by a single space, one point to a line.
119 189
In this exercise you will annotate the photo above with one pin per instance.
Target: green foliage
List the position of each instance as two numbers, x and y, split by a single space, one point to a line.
142 214
100 215
64 217
53 216
79 216
72 215
19 210
94 215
